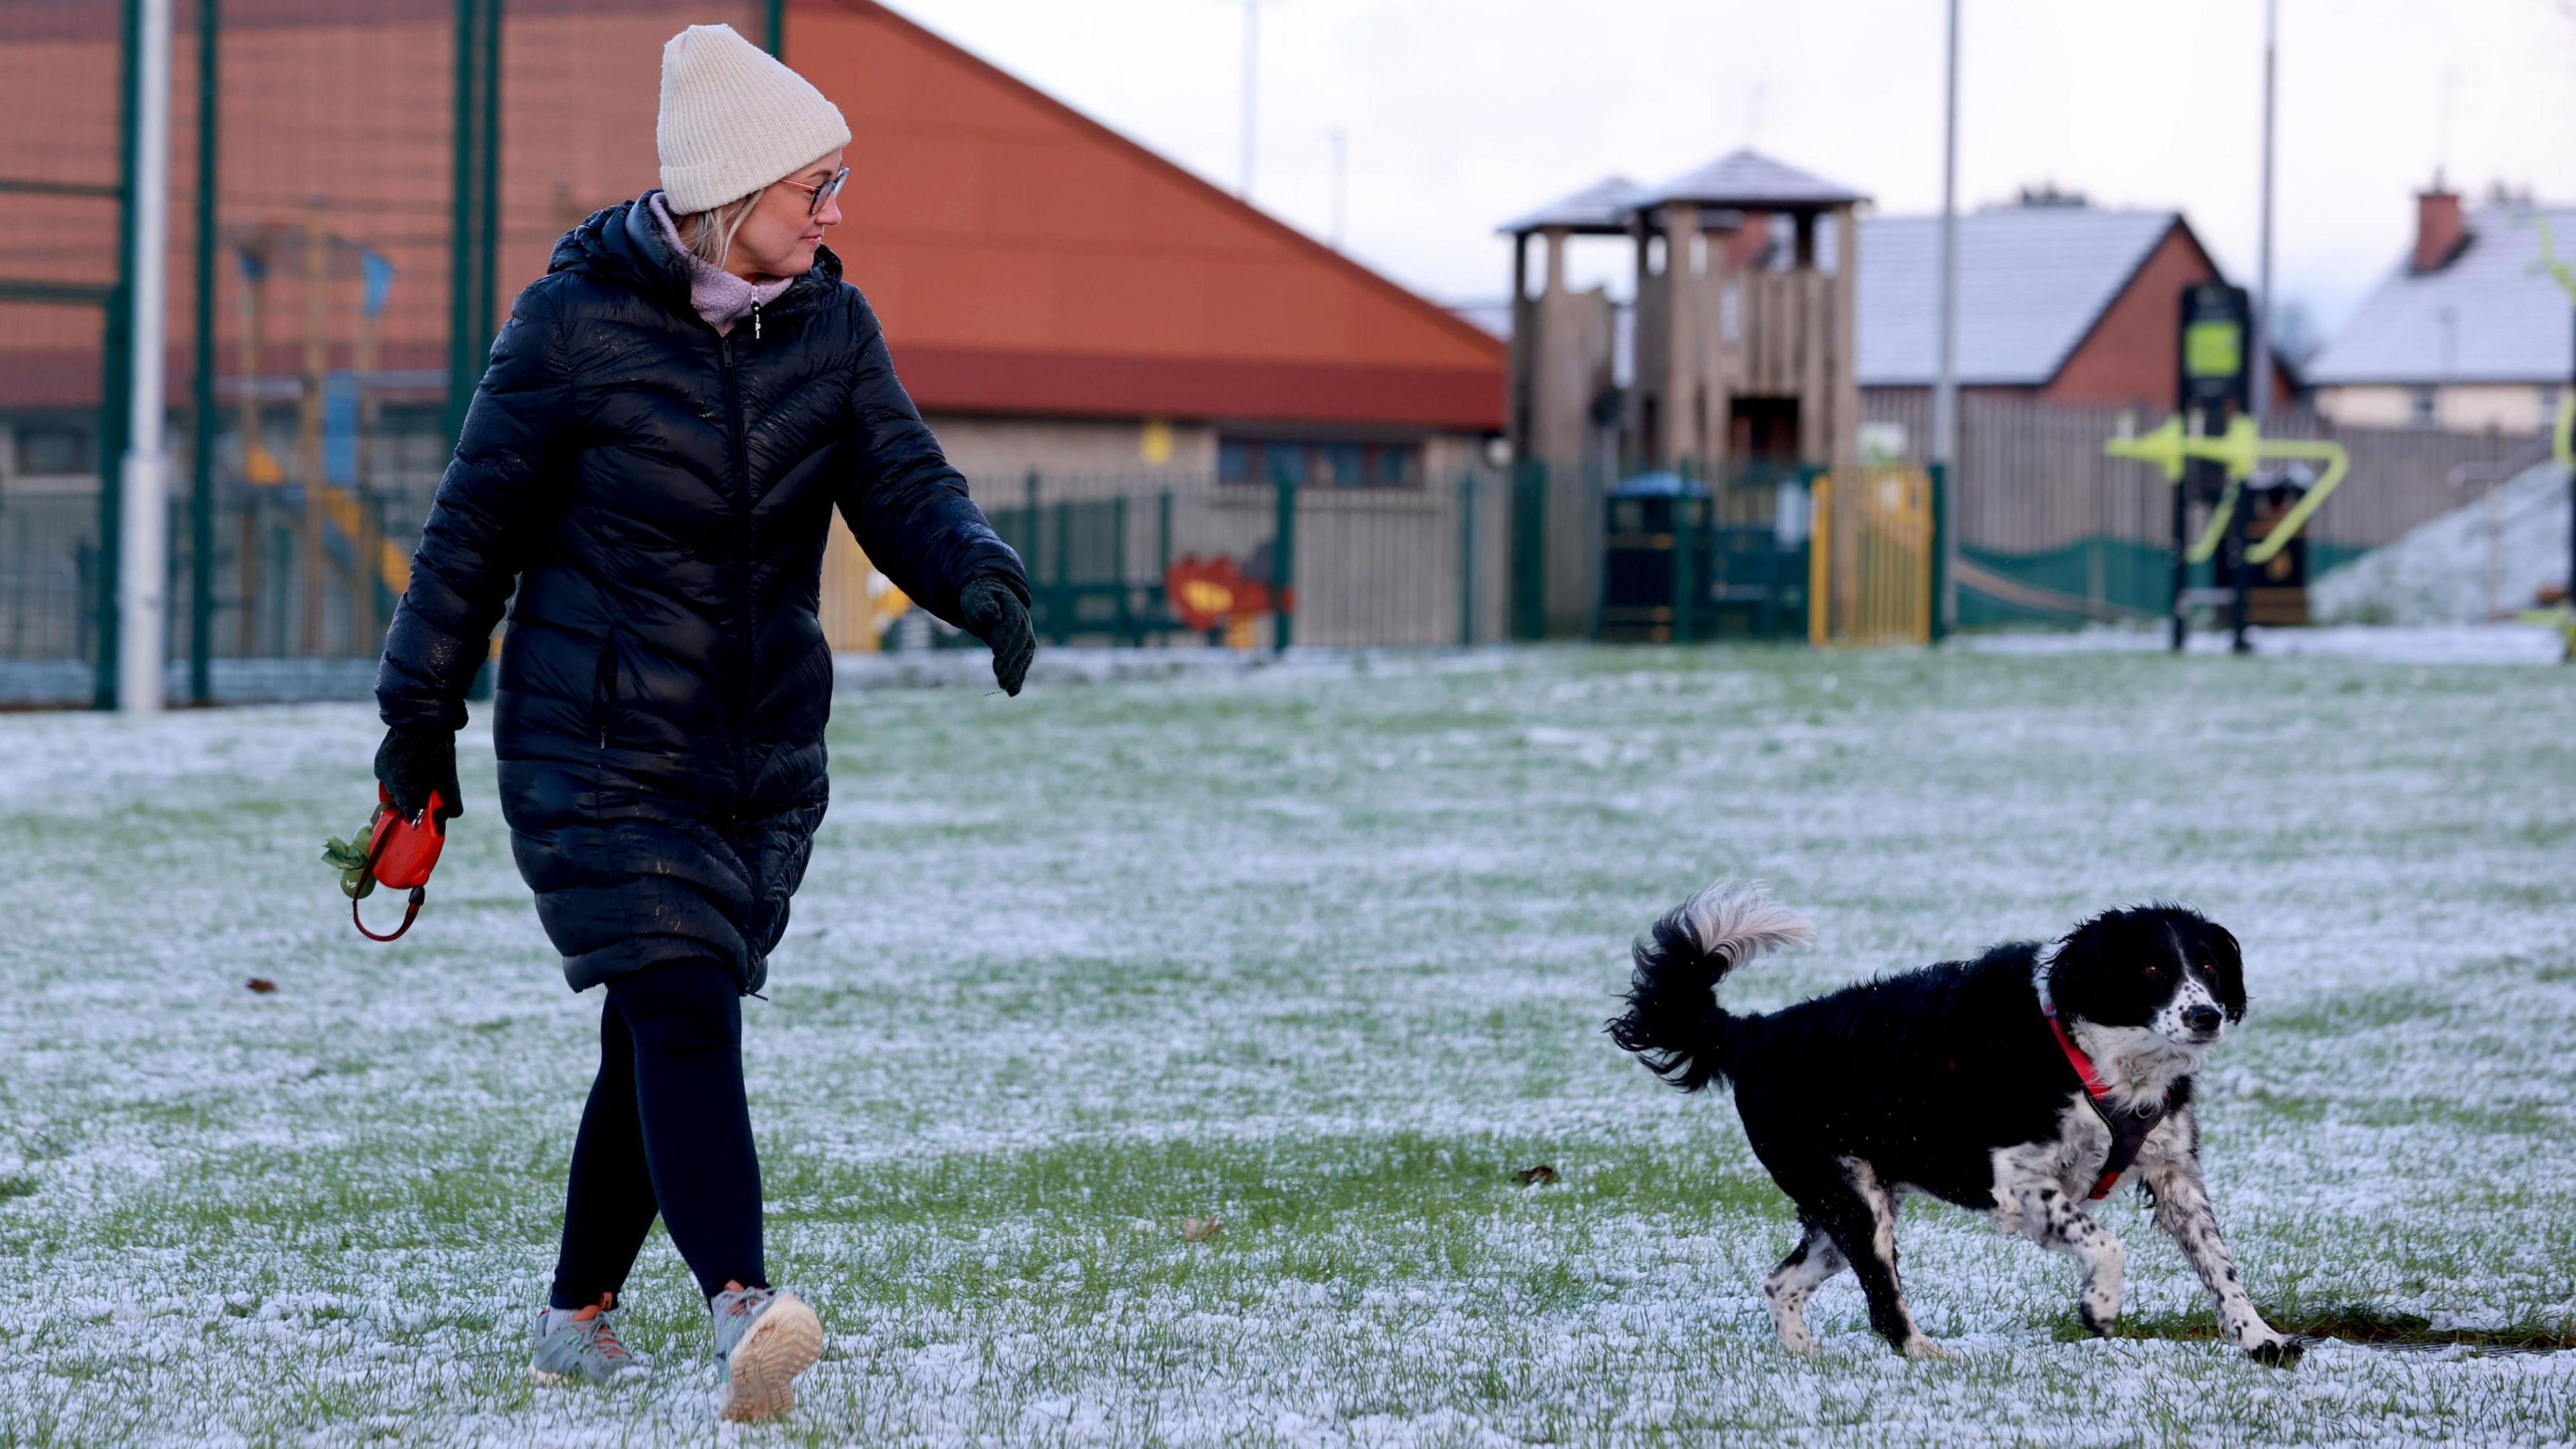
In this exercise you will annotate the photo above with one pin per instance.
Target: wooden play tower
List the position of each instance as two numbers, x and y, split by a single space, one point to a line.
1742 344
1736 366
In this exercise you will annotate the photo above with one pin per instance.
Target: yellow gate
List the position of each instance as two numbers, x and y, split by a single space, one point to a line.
1870 558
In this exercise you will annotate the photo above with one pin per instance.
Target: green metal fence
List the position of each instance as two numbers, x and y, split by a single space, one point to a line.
346 201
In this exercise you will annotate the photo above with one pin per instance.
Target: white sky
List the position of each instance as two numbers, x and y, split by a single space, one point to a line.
1462 113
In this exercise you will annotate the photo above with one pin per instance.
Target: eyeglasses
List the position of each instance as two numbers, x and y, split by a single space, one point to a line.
821 196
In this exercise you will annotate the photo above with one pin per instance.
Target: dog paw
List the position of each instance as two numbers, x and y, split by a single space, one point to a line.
2277 1352
2096 1324
1923 1348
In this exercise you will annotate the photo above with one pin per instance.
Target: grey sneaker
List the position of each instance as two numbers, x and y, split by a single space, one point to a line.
766 1339
564 1347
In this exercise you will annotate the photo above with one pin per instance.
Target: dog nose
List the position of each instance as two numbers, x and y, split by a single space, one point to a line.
2202 1019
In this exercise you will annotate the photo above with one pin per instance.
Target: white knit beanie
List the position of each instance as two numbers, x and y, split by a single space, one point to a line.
735 119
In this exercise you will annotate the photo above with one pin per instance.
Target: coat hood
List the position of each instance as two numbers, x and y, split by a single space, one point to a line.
621 246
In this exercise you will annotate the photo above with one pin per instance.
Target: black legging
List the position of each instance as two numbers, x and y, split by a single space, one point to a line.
667 1130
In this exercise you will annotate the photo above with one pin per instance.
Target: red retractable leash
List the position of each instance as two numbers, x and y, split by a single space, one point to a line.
400 853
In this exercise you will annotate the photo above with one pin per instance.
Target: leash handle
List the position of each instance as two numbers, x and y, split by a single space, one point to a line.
385 837
411 913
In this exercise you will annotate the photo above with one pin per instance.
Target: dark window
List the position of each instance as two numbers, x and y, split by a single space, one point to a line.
53 449
1235 460
1310 464
1393 465
1259 460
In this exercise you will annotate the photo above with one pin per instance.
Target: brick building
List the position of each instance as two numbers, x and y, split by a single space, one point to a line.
2058 301
1058 296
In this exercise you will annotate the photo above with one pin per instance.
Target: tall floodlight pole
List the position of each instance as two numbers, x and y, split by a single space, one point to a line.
2262 329
1251 76
201 448
1945 386
143 543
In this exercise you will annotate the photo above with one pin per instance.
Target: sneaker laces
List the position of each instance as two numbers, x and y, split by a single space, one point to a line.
603 1337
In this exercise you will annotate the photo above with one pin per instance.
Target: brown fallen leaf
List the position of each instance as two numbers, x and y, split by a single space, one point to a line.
1199 1230
262 985
1539 1176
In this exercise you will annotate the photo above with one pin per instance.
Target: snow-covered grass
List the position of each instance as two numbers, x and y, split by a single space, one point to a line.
1321 951
2488 559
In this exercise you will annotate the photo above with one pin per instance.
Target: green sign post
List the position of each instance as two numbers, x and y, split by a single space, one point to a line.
2213 388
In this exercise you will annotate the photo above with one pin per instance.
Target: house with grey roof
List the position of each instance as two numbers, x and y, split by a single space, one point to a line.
2470 331
2058 300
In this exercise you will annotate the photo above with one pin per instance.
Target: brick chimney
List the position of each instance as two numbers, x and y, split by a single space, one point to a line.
2439 229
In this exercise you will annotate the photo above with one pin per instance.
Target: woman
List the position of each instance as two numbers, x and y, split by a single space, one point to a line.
668 422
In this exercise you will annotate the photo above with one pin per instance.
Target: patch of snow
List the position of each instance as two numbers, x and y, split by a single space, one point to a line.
2425 644
2484 560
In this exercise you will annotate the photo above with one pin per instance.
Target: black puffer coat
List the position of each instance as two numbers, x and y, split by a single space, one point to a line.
661 497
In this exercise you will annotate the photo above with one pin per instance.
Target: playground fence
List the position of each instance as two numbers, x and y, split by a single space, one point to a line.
1112 560
1190 560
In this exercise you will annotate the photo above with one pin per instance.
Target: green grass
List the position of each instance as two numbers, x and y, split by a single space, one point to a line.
1322 954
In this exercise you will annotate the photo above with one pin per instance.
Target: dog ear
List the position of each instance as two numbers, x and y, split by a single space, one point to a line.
2075 970
2230 961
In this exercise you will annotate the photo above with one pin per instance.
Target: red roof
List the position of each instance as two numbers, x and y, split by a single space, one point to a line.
1026 259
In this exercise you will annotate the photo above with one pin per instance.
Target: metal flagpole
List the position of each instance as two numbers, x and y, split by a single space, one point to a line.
1945 388
143 543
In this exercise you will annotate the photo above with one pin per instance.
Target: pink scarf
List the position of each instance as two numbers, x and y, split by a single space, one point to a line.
718 296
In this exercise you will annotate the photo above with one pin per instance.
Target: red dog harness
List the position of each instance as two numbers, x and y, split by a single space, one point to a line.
2129 1130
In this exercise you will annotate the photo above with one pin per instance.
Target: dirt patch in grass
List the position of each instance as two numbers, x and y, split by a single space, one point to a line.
2360 1323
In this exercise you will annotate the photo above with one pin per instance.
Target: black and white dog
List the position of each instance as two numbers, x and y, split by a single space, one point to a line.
2024 1083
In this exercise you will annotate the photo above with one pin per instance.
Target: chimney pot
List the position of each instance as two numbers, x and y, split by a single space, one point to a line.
2439 228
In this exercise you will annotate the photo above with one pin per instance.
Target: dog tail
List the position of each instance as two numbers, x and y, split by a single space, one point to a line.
1674 1023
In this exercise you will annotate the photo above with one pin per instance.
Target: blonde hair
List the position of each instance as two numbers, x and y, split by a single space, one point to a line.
710 233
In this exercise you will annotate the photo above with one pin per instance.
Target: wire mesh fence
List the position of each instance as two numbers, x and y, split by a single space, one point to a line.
347 197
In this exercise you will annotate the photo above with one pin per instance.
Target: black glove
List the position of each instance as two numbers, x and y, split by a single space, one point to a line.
995 615
415 760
